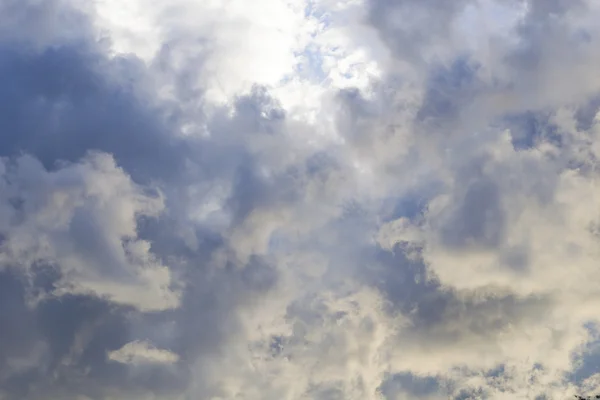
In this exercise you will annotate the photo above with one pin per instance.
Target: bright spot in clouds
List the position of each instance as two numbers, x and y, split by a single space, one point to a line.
299 199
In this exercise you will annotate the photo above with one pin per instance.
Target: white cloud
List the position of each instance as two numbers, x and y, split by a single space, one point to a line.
142 352
296 47
237 43
82 218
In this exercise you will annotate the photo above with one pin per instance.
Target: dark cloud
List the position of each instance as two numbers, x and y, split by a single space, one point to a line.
409 385
478 220
530 128
58 345
59 104
586 113
410 27
449 92
448 314
47 23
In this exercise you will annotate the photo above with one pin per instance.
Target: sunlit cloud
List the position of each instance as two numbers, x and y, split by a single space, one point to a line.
358 199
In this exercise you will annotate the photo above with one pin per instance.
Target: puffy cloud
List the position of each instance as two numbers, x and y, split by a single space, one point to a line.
361 199
82 219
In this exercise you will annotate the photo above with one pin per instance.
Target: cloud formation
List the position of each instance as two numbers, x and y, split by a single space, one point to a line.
139 352
360 199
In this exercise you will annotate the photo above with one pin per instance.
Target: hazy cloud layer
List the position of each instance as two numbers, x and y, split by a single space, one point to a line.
359 199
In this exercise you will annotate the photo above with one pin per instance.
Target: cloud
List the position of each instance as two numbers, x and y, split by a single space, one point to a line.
298 200
82 219
139 352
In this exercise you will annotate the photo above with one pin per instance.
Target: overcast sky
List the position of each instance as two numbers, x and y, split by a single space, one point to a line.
299 199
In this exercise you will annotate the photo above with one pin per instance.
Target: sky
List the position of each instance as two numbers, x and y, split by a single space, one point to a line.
299 199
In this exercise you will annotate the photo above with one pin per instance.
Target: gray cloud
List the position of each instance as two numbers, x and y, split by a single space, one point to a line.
426 236
412 28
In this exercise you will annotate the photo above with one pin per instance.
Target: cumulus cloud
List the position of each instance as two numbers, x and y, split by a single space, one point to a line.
82 220
358 199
